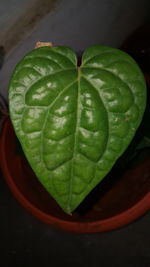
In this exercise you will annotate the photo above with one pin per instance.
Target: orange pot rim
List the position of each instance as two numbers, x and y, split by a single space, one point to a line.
103 225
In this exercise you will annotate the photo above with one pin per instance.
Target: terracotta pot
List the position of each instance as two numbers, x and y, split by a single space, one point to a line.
118 200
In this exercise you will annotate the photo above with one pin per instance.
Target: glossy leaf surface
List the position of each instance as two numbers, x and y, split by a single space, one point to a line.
74 123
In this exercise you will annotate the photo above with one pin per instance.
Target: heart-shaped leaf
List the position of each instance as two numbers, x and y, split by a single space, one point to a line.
74 122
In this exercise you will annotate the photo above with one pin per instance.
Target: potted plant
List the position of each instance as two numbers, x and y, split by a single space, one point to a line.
74 123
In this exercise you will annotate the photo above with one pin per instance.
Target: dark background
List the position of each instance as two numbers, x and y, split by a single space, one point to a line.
25 241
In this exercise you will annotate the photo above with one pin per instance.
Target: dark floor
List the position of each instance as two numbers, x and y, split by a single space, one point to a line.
25 242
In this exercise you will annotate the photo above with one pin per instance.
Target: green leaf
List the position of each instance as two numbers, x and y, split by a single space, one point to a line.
74 122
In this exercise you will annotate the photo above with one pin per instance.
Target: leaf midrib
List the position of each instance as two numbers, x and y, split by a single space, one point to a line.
75 143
